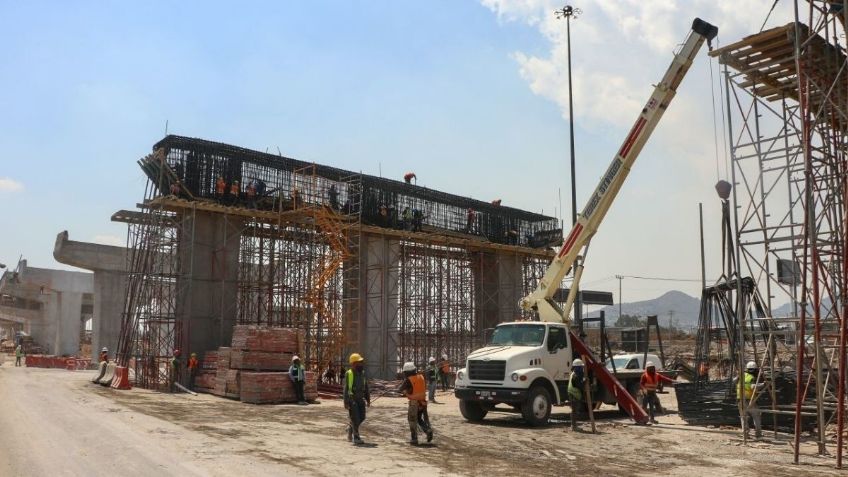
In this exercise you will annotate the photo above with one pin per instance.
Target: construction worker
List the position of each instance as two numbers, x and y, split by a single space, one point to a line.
432 379
251 194
193 366
409 176
298 376
175 370
406 215
102 362
444 372
220 187
356 396
470 219
19 353
104 355
747 389
235 191
576 384
414 389
333 195
648 383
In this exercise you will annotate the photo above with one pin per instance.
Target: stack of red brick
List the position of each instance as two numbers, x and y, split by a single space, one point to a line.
255 368
204 382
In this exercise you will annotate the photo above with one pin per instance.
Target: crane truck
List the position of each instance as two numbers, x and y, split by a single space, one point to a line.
527 364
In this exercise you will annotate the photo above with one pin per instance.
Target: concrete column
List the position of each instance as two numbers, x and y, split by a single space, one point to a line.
208 286
498 285
110 282
380 335
66 307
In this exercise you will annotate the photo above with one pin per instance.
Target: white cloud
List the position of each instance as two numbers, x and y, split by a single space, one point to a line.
10 185
110 240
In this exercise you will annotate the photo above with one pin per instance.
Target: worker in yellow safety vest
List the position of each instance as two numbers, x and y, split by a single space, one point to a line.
356 396
415 390
747 389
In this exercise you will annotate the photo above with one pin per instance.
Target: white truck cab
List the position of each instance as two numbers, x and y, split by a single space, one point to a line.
526 365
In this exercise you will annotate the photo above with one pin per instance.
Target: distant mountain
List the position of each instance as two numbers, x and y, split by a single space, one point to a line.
684 308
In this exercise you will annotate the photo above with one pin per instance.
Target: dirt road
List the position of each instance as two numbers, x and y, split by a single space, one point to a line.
55 422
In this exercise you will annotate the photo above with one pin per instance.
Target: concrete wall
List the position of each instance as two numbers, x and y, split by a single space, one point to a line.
207 289
109 285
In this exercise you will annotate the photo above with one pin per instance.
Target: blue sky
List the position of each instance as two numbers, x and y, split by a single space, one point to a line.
467 94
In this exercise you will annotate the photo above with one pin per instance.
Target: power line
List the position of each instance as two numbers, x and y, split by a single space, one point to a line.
664 279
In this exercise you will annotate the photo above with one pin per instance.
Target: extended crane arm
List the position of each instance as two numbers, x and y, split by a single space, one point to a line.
577 241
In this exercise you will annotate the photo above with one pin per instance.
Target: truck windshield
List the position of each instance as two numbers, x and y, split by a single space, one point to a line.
519 335
620 363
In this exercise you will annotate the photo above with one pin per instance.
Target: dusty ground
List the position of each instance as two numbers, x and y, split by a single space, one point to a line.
55 422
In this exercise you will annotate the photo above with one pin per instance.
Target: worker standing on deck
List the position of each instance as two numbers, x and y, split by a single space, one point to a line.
220 187
175 370
19 353
406 215
298 376
649 382
251 194
235 191
356 396
444 372
747 389
193 365
432 379
414 388
576 385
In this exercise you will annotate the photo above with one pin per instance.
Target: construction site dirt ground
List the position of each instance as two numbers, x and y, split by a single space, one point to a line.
56 422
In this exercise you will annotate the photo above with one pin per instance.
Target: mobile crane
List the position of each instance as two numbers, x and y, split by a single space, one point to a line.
527 364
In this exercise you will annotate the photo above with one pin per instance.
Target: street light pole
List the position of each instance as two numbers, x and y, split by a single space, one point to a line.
568 12
620 277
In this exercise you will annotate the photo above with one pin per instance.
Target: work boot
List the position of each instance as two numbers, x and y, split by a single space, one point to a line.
357 440
414 440
429 436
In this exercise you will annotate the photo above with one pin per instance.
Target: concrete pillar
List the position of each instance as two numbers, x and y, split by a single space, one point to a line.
208 287
498 285
110 282
381 259
66 307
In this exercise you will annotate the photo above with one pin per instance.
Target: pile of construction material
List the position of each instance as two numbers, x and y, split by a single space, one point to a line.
255 368
204 382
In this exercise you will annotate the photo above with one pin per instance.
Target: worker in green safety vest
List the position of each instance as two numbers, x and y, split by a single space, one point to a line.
747 389
356 396
576 384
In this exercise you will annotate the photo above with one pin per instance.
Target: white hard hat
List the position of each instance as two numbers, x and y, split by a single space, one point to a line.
751 365
408 367
577 362
431 360
104 350
444 356
650 364
295 358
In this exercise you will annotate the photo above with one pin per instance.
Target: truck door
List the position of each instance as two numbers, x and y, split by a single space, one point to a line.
556 357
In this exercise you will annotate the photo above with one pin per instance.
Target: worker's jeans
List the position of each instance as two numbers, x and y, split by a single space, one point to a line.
756 415
652 404
416 415
298 391
445 378
431 391
356 412
192 376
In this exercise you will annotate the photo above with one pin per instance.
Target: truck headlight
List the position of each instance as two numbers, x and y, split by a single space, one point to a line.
460 375
514 376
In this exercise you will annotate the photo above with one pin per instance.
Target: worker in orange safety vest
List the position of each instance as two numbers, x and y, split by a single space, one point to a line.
648 383
415 390
193 366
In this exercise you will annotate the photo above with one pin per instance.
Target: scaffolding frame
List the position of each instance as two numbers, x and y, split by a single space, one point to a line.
787 111
300 263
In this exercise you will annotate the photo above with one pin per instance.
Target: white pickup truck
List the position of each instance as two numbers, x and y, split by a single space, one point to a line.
526 366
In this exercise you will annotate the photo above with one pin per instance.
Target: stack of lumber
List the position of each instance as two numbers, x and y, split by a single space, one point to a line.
255 367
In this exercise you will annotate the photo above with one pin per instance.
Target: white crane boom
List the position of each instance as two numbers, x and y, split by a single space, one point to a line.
577 241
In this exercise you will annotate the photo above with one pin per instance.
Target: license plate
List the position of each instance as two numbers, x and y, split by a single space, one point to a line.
485 394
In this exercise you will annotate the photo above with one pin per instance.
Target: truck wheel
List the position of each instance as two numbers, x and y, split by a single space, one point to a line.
537 408
472 410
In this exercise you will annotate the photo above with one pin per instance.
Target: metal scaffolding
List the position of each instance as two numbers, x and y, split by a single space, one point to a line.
787 111
316 248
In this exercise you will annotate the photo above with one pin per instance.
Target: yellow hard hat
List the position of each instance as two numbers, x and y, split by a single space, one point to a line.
356 358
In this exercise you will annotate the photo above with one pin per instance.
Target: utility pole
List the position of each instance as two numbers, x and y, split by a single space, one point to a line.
568 12
620 277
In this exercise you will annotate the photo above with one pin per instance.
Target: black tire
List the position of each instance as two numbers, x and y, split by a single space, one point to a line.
537 408
472 410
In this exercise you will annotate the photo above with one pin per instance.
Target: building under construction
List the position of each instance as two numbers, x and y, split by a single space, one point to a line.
399 272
